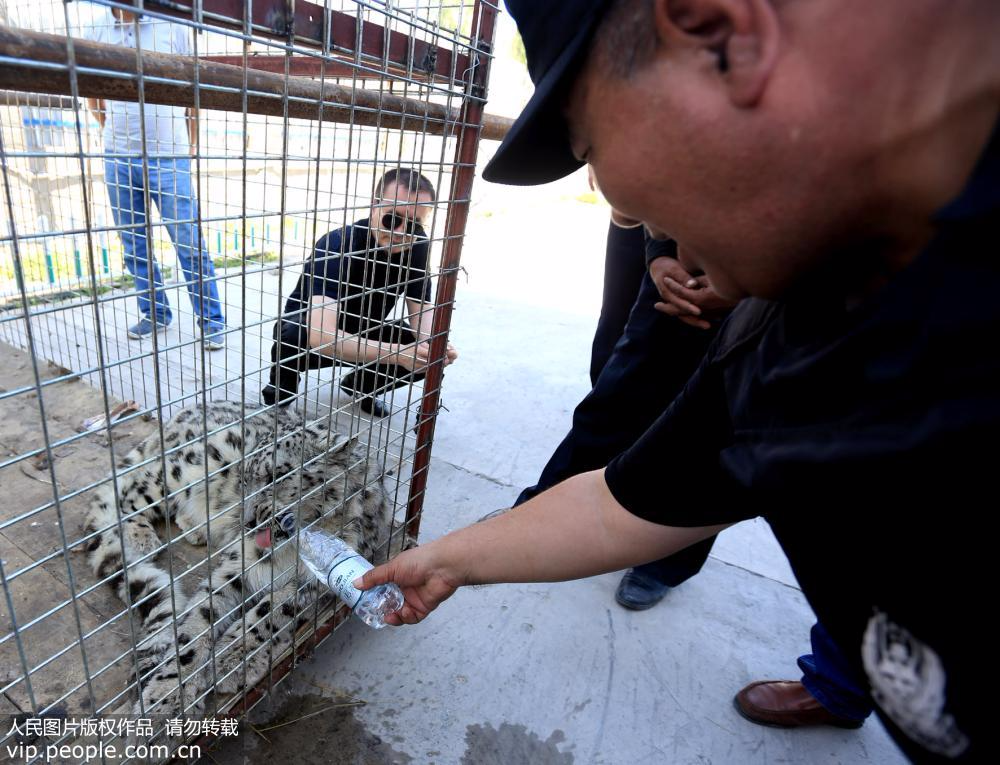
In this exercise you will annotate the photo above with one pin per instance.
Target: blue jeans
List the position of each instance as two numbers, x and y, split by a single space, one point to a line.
831 680
170 188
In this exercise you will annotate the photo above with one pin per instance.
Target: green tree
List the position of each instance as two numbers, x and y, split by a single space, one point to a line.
517 49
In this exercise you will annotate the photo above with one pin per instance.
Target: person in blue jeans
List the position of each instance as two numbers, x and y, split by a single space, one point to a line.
170 189
640 360
170 134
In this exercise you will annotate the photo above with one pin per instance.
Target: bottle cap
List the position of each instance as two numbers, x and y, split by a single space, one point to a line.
287 523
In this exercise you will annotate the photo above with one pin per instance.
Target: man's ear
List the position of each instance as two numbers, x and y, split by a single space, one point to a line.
741 35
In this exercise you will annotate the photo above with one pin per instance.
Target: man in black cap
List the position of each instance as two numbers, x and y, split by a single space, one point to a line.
837 164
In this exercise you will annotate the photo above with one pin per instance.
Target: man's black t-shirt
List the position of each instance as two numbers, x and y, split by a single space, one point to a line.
367 281
867 438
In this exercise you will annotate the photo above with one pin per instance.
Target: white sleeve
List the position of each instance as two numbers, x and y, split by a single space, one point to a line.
93 26
182 40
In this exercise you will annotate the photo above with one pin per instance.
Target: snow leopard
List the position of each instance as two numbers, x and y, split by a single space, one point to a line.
280 465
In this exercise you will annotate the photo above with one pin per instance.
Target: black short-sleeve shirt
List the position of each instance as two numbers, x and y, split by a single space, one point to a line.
366 280
868 439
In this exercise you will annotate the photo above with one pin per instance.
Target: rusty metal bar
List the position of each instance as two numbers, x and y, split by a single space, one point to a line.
303 22
312 66
38 62
458 215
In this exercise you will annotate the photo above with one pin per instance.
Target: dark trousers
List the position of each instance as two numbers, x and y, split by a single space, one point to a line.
641 359
290 357
831 680
623 275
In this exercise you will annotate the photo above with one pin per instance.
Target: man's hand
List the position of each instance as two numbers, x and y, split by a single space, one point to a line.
97 108
686 297
192 118
573 530
424 350
424 584
416 357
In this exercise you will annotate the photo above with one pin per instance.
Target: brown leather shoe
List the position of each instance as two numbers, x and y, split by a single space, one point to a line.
786 704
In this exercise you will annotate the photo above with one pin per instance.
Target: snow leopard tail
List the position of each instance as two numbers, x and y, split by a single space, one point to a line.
149 590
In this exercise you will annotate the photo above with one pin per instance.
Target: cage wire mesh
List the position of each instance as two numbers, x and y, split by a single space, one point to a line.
219 168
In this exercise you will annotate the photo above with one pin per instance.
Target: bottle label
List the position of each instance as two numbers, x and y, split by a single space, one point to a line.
343 574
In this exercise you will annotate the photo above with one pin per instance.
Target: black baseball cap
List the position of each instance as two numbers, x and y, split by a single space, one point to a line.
556 35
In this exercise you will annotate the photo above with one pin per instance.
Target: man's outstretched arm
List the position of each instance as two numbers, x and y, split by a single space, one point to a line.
326 338
574 530
422 323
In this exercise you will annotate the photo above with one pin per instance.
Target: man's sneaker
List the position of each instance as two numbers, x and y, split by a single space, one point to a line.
214 341
369 404
144 329
347 383
639 589
373 407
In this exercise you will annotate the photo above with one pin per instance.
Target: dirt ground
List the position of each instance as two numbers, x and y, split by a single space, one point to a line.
320 725
317 727
48 625
63 639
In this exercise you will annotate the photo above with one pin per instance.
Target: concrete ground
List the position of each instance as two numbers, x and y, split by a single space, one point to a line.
548 673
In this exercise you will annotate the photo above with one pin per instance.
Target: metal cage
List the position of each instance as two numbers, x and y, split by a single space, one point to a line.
297 109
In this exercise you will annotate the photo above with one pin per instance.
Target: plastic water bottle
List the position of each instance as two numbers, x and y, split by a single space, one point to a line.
337 565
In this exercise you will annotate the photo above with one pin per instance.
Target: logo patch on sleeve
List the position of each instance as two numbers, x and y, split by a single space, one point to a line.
908 682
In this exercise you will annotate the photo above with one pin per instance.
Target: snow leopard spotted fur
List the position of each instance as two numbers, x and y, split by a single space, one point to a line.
310 461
